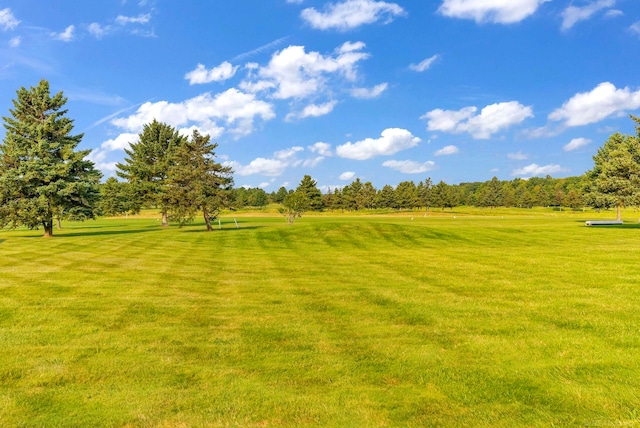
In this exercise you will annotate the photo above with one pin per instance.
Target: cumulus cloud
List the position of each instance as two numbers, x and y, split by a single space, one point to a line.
347 176
574 14
590 107
15 42
517 156
269 167
233 108
323 149
216 74
635 27
535 170
491 119
391 141
294 73
121 142
446 150
494 11
368 93
7 20
409 166
575 144
349 14
424 64
66 35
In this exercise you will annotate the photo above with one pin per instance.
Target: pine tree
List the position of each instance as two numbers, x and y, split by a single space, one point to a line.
196 182
41 173
148 163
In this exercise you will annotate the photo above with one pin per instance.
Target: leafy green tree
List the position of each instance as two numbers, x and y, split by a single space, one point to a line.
196 182
367 195
115 197
148 163
294 205
425 191
280 195
41 173
406 195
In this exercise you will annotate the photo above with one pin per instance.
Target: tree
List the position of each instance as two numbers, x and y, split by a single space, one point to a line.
294 205
195 182
615 178
115 197
314 196
41 173
148 163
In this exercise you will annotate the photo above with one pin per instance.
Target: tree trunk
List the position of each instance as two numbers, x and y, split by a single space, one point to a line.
619 213
59 223
48 228
207 220
165 221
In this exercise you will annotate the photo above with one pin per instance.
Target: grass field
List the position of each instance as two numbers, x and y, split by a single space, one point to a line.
471 318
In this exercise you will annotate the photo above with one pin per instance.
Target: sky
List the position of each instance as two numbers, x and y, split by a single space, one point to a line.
384 91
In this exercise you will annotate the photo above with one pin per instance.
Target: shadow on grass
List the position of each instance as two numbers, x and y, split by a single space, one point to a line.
224 229
63 234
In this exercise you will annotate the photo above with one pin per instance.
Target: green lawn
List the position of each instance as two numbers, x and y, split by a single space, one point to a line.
471 318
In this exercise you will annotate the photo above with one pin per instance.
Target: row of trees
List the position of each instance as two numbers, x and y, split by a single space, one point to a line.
43 177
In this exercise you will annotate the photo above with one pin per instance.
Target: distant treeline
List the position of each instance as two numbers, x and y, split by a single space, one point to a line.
407 195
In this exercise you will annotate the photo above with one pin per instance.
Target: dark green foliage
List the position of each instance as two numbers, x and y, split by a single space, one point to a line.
196 182
615 178
148 162
308 187
42 176
116 198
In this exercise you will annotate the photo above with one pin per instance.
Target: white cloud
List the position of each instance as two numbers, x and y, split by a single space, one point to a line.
121 142
217 74
391 141
295 1
535 170
323 149
446 150
66 35
15 42
294 73
271 167
409 166
517 156
347 176
140 19
574 14
589 107
424 64
492 119
233 108
612 13
97 30
349 14
98 158
368 93
495 11
7 20
317 110
575 144
635 27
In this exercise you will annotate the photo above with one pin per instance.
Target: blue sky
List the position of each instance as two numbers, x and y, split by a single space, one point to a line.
384 91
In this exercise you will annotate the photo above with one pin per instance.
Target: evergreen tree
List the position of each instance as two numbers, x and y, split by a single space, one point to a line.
615 178
41 173
115 197
308 188
196 182
148 163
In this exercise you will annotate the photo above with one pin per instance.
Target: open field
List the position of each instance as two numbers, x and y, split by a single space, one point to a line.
518 318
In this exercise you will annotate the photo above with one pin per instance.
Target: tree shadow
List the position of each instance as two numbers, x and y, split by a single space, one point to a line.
224 229
64 234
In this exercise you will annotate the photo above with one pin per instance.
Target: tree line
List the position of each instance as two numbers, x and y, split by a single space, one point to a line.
44 178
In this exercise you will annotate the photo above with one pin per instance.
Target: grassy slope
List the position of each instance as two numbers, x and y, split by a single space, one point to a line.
343 321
